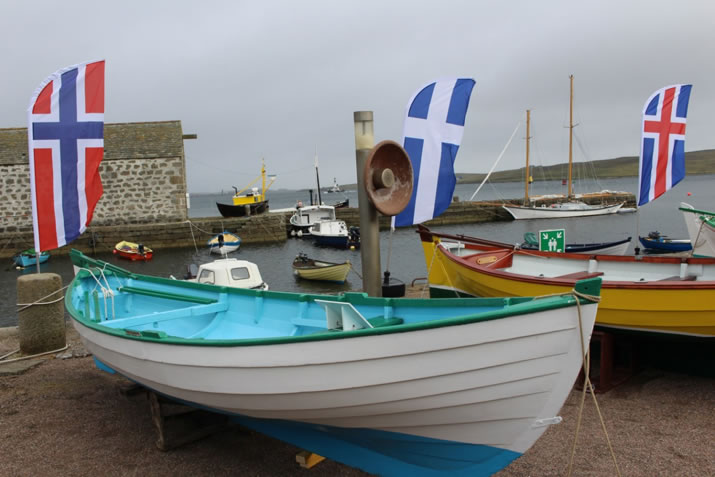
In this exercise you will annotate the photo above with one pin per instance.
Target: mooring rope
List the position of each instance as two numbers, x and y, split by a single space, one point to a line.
40 302
586 362
21 358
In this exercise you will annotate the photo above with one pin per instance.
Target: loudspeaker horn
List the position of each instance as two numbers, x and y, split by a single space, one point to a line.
388 178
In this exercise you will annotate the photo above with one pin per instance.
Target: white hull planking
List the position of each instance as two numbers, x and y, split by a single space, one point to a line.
484 383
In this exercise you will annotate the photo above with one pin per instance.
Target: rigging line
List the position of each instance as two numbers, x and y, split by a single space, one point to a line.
497 161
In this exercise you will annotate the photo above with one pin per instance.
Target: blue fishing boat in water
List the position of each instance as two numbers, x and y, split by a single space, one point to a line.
29 257
657 243
392 386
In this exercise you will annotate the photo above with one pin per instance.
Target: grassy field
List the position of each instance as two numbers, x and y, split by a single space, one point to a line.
696 162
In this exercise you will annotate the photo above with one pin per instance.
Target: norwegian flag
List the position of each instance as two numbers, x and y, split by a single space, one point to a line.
66 144
662 161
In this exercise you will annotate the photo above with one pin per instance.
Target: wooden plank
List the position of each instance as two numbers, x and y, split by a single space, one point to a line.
307 459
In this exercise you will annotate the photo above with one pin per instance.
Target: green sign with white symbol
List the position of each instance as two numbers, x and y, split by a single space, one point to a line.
552 240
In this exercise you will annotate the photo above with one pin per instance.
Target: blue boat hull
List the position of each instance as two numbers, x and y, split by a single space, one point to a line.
26 261
664 246
331 241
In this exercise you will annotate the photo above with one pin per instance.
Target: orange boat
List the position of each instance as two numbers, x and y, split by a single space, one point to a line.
133 251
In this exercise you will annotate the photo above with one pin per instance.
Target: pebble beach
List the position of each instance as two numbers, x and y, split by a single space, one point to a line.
60 415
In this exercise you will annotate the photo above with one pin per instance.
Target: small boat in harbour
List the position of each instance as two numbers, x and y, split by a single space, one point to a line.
335 188
30 257
223 243
454 387
320 270
618 247
133 251
253 202
307 216
335 233
230 272
655 242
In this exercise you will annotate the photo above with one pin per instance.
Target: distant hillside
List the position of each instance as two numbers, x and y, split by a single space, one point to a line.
696 162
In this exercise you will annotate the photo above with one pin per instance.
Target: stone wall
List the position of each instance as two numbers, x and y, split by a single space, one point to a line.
143 175
266 228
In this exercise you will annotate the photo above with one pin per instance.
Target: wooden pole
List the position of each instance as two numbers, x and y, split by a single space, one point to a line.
570 187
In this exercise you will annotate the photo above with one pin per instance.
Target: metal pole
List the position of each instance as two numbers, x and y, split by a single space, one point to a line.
369 225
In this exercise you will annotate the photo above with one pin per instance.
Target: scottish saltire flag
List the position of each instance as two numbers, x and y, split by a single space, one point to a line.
66 144
434 125
662 162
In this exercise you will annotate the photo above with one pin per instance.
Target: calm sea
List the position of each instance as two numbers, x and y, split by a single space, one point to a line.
406 261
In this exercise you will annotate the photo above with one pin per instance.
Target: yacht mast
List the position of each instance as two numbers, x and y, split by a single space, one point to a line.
526 172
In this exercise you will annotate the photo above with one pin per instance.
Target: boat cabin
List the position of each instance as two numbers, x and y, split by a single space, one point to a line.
231 272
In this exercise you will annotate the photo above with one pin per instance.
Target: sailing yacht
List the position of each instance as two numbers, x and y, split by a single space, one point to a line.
568 208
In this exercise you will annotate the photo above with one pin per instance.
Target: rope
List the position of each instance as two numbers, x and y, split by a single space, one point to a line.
191 229
34 355
40 302
9 354
587 384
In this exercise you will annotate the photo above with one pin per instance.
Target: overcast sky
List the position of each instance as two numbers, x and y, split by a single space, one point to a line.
276 79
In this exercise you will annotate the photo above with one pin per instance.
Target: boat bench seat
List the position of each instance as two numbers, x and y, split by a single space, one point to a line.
678 278
580 275
167 295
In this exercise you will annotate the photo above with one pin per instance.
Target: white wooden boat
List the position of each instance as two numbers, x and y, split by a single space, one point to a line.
320 270
701 230
394 386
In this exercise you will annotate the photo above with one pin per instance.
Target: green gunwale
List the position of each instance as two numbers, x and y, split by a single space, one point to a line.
517 306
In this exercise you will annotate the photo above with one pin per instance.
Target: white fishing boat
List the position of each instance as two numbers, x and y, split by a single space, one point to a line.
570 207
335 233
307 216
335 188
453 387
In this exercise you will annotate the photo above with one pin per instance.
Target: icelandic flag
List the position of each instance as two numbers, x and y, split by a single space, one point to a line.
434 125
66 144
662 161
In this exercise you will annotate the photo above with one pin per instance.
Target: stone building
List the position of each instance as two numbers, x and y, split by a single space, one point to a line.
143 175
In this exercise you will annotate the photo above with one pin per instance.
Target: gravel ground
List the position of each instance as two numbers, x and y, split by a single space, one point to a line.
65 417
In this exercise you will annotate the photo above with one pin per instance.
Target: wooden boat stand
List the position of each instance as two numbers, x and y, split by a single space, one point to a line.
177 424
612 361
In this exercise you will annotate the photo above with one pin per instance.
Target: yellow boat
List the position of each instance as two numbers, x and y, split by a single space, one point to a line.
651 294
319 270
252 202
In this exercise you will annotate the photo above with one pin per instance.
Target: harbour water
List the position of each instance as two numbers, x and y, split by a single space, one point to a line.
406 259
